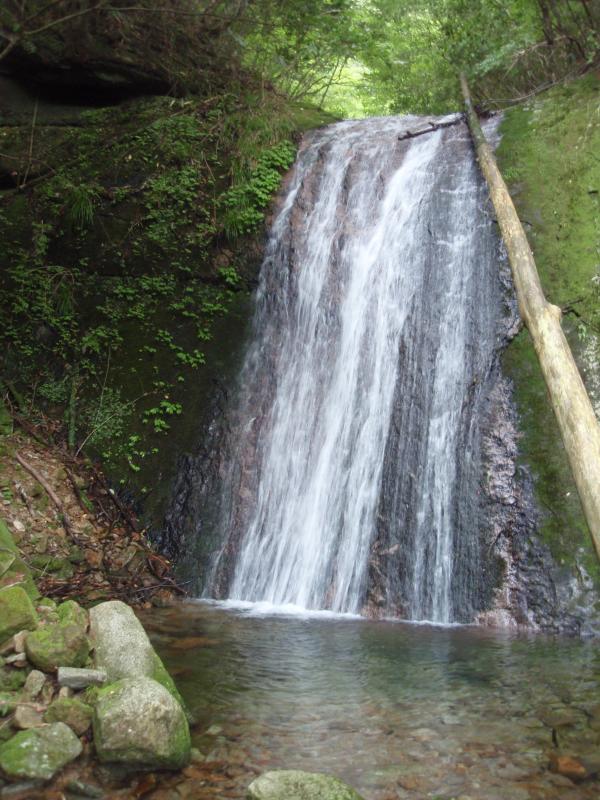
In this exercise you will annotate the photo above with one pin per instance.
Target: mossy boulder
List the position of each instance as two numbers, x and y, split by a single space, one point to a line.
122 647
296 785
58 645
39 753
13 570
137 721
73 712
16 612
71 612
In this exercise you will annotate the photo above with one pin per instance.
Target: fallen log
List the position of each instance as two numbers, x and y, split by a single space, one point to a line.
433 126
570 402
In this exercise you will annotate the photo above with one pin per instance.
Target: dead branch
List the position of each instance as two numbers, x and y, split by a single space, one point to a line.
433 126
51 494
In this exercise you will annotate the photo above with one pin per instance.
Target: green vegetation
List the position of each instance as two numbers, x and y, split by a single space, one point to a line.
133 230
557 136
124 255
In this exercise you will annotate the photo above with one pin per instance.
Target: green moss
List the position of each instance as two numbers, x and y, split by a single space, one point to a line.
60 567
549 156
7 543
71 711
62 644
16 612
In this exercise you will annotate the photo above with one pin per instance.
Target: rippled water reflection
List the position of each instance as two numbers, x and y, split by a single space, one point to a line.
397 710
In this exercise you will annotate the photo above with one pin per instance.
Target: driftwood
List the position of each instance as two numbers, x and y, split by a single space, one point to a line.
574 413
433 126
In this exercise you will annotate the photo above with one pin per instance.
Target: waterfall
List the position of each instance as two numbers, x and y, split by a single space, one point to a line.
355 475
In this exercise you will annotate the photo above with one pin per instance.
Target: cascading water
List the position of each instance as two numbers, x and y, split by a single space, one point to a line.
354 482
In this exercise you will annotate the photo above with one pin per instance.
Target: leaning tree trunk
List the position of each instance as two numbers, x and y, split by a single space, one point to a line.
576 419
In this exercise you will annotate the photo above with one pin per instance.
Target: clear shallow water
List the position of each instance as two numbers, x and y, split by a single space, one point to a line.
397 710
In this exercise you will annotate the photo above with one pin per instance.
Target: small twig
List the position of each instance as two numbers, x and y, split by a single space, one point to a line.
51 494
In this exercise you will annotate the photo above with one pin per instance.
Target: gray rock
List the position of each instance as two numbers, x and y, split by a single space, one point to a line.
79 678
137 721
123 649
34 683
26 716
40 752
296 785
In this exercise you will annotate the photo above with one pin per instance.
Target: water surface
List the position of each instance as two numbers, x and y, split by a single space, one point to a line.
397 710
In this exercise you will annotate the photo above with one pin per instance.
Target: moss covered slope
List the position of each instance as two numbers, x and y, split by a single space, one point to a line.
549 155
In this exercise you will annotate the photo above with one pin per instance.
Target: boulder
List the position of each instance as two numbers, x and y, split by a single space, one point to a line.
122 648
61 644
296 785
16 612
39 752
73 712
137 721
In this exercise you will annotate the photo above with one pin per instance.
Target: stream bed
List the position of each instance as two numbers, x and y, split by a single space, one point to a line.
396 710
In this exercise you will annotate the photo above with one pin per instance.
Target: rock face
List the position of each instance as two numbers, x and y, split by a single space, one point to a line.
39 752
16 612
122 647
137 721
296 785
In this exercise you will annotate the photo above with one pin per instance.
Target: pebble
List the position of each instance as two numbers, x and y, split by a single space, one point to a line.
16 660
26 717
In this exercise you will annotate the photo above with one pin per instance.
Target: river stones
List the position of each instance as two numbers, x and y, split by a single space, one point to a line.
122 648
39 752
296 785
137 721
16 612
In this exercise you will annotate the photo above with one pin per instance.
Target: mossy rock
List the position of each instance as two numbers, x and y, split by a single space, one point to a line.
297 785
122 647
39 753
16 612
11 680
58 645
7 543
72 612
137 721
59 567
73 712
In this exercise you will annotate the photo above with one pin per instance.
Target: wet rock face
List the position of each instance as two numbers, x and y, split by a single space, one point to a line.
533 591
